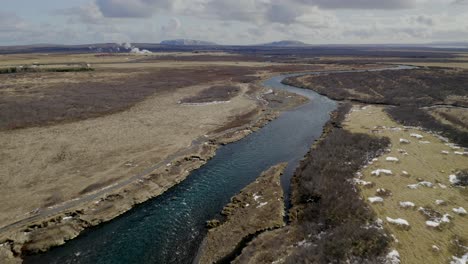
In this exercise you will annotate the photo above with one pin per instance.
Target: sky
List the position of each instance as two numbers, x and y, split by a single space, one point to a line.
233 21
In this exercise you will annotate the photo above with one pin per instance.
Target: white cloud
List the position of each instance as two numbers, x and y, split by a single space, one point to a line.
246 21
172 25
10 22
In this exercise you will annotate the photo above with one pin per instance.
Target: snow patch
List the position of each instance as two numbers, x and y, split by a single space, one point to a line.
460 211
453 179
375 199
362 182
461 260
398 222
256 197
416 136
423 183
382 171
407 205
392 159
393 257
404 141
442 186
432 223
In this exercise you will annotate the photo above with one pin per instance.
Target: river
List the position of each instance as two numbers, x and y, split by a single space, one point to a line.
169 228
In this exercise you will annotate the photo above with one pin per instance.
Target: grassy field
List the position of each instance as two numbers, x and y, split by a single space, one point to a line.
456 117
424 161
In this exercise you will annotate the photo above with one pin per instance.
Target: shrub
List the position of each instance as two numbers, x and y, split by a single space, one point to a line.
328 202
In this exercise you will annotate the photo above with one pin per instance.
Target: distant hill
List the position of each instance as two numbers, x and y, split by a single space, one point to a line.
187 42
447 44
286 43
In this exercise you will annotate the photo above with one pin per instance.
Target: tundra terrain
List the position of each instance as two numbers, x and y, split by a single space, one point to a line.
80 147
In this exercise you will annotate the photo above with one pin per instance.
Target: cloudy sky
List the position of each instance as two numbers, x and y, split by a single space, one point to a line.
233 21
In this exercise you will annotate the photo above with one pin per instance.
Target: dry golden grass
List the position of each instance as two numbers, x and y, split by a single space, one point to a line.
456 117
47 165
123 60
27 59
426 162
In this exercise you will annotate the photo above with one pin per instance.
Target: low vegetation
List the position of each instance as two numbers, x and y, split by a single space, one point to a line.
326 205
212 94
407 90
86 95
417 117
11 70
457 117
418 87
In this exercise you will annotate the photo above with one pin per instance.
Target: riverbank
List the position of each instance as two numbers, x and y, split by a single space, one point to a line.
39 234
258 207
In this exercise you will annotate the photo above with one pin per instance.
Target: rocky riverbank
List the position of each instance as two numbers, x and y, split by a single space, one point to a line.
258 207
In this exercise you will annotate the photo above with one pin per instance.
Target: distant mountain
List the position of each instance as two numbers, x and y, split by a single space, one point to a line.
286 43
187 42
447 44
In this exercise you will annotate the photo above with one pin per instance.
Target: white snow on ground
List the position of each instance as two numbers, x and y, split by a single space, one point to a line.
461 260
363 183
443 186
453 179
375 199
445 152
432 224
436 222
262 204
407 204
66 218
379 222
402 151
393 257
453 146
435 248
398 222
416 136
424 142
426 184
423 183
460 211
445 218
405 173
392 159
256 197
440 202
404 141
383 171
461 153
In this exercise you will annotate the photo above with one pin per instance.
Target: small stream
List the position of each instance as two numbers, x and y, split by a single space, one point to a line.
170 227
